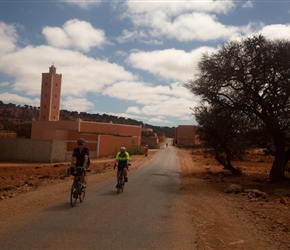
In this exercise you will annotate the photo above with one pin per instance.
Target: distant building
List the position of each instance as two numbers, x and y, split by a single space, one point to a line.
53 140
149 137
186 135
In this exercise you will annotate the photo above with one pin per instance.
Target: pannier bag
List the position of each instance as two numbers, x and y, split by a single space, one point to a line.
75 171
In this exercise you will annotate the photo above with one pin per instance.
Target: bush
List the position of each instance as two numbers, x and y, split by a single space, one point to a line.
136 150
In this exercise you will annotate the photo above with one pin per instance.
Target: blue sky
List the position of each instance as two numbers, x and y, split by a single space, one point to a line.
123 58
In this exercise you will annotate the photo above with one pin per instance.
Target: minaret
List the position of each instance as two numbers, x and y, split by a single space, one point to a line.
50 95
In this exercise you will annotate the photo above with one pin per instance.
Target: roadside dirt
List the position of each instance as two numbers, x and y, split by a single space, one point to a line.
256 216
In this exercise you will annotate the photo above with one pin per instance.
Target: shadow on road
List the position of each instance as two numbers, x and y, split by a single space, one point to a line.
58 207
110 193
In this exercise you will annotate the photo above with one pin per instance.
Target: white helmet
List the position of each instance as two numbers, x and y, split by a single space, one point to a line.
81 141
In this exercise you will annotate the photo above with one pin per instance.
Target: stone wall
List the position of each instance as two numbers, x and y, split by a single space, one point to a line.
32 150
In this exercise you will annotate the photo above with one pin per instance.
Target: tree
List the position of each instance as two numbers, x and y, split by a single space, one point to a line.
252 76
222 130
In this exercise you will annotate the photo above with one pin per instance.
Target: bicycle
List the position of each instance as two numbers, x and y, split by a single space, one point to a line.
121 179
76 188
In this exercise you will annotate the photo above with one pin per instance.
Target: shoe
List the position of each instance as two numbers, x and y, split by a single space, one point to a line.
83 188
117 186
126 179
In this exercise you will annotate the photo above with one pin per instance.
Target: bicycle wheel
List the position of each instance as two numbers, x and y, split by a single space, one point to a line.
73 194
82 193
122 183
119 188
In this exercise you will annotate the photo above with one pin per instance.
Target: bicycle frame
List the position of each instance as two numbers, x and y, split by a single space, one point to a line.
121 179
76 191
121 182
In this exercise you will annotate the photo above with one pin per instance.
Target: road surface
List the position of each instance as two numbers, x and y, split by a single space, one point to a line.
149 214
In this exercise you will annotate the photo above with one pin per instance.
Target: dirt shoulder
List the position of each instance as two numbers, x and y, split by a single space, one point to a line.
233 220
257 216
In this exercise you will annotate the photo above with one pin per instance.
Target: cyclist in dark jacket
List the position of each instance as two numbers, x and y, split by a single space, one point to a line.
80 158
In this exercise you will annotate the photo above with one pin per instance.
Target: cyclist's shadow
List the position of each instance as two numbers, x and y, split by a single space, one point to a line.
58 207
110 193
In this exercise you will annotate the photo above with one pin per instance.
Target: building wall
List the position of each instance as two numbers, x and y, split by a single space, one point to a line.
149 140
110 128
109 144
70 130
60 150
186 135
101 138
32 150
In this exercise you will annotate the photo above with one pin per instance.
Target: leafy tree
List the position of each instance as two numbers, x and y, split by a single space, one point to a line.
222 130
252 76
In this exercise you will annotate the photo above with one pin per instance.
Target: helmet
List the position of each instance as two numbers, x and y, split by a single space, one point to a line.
122 149
81 141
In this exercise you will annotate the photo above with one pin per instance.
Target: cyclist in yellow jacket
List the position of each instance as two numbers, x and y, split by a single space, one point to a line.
122 159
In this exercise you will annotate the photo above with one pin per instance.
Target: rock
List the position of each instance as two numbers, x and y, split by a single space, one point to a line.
254 199
255 193
234 188
283 200
208 170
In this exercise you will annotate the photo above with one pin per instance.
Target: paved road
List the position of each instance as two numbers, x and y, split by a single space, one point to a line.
149 214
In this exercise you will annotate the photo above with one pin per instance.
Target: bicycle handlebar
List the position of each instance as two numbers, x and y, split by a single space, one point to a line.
127 166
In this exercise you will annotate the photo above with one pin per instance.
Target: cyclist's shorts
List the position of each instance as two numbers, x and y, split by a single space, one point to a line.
121 167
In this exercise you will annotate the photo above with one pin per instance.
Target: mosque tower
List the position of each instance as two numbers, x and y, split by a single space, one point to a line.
50 95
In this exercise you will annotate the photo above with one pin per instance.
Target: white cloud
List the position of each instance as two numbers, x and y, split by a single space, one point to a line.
75 34
160 119
81 74
84 4
18 99
3 84
275 31
76 104
169 64
174 8
196 26
184 21
248 4
8 34
171 101
172 107
138 92
130 36
133 110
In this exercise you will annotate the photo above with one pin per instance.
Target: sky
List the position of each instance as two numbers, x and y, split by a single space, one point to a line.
124 58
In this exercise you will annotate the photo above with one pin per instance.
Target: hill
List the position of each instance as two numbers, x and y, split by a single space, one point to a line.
17 118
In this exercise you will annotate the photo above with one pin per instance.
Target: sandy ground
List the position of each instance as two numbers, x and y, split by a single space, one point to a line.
235 220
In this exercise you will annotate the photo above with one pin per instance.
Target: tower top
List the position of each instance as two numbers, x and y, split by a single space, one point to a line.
52 69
